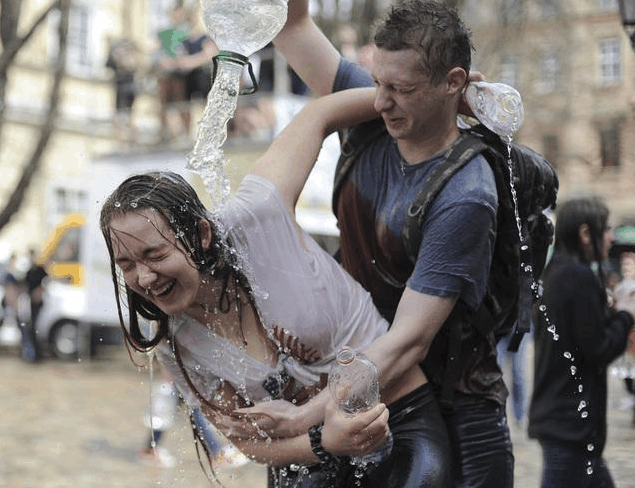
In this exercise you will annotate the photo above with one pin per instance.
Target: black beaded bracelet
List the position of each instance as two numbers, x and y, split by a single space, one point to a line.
315 436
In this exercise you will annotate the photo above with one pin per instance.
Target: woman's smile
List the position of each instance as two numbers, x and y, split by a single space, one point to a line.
153 261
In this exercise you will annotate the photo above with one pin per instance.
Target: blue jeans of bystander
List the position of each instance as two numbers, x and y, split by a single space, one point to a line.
566 466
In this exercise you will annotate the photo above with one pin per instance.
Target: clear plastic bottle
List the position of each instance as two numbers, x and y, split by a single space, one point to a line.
353 382
243 26
239 28
497 106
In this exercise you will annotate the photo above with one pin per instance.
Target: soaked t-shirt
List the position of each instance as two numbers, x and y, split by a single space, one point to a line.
300 290
457 238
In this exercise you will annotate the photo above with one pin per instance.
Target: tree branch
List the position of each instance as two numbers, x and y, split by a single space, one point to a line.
12 50
17 197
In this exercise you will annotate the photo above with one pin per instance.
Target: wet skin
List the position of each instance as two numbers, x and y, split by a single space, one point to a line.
411 106
154 263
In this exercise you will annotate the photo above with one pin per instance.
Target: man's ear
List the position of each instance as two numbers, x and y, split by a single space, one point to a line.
205 233
457 79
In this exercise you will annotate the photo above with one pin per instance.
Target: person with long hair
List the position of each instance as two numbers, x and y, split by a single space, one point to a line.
576 337
250 309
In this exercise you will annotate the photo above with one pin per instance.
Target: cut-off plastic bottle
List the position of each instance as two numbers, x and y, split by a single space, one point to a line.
239 28
497 106
353 382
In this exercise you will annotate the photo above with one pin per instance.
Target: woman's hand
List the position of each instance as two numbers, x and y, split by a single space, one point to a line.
276 418
346 434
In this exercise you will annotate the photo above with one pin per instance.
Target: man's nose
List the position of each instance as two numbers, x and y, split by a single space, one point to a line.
383 101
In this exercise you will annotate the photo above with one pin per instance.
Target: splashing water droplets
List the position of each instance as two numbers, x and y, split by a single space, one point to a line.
500 109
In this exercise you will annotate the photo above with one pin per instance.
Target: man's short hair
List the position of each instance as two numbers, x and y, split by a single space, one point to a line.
434 30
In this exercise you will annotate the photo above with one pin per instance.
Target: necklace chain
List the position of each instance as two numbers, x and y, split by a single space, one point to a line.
445 151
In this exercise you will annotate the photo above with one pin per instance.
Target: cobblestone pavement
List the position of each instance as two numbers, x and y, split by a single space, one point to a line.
80 425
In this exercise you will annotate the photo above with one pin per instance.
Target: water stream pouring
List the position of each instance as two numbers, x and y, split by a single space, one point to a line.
239 28
499 107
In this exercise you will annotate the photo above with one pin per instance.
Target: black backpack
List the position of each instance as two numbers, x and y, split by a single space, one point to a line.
511 288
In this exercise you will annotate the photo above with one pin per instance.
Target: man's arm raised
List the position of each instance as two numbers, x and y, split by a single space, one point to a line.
307 50
291 156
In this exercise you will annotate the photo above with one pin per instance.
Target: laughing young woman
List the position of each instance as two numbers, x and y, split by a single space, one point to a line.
250 309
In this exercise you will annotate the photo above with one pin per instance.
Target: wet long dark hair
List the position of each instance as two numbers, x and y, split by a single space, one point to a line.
573 213
171 196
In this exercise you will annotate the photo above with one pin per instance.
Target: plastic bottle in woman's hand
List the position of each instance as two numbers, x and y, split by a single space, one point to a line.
353 383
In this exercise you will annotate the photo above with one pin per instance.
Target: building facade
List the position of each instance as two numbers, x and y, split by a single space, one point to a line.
575 68
570 59
86 128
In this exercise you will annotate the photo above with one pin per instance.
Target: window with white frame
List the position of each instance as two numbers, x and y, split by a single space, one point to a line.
66 201
548 71
610 61
83 39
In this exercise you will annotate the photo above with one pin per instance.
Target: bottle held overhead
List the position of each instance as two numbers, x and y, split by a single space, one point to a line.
497 106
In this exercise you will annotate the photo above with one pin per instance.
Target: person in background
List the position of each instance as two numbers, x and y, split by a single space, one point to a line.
34 281
568 409
196 61
12 289
516 362
174 112
627 269
123 60
159 418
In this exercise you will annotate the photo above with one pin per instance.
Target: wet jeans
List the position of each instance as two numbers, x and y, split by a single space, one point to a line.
420 457
482 445
564 466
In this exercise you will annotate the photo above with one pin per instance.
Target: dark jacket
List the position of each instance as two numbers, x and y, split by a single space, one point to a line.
570 374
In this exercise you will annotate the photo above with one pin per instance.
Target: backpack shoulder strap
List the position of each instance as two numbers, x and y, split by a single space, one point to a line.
354 141
463 151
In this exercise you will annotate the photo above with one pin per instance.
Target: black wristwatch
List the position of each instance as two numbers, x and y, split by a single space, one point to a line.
315 436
